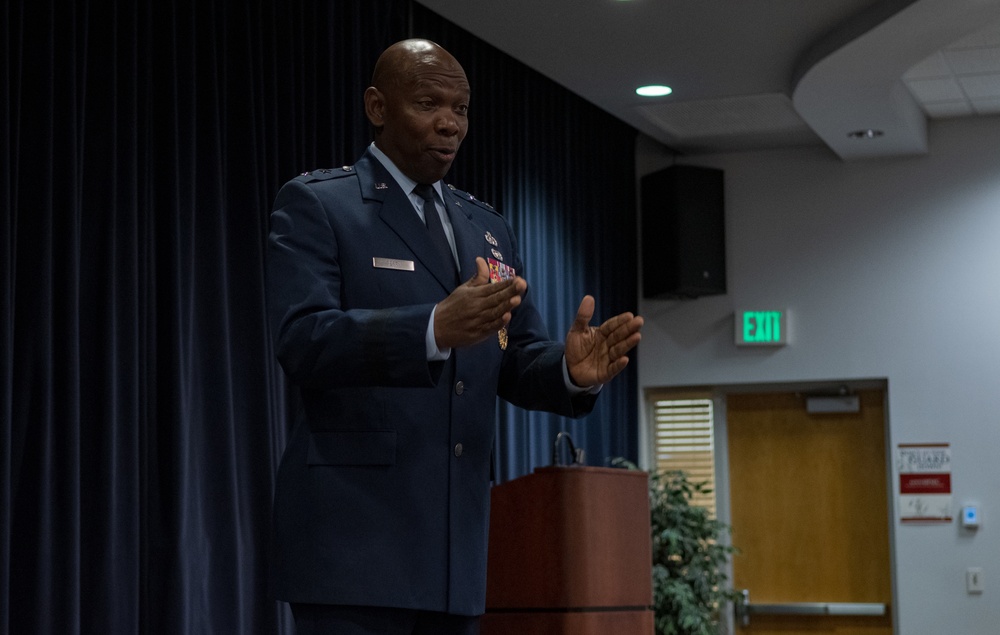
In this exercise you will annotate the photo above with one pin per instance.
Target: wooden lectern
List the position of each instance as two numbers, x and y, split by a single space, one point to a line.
570 552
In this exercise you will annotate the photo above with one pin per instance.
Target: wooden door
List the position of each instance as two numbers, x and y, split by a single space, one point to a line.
809 512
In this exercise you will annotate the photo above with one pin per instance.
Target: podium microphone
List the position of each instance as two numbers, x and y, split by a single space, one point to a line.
577 454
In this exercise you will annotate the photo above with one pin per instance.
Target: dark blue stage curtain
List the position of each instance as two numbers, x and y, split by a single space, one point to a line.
142 415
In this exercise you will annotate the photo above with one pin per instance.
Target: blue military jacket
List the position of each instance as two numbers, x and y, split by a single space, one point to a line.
382 495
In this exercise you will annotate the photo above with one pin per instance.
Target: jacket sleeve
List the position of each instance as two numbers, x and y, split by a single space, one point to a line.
531 373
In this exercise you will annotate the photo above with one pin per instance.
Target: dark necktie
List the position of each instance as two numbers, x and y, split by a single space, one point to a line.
434 227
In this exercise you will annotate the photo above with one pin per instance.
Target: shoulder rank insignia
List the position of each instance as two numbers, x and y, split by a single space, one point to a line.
469 197
326 173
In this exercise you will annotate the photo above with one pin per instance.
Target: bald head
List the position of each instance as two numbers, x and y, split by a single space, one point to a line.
418 104
398 63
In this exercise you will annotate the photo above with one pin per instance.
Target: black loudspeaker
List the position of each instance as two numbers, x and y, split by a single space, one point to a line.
683 233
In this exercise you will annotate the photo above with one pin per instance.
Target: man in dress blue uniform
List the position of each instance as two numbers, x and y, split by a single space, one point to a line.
382 497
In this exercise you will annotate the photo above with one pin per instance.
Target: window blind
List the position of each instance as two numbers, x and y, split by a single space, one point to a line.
683 439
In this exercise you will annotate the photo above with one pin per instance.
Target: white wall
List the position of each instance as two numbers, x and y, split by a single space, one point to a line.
890 269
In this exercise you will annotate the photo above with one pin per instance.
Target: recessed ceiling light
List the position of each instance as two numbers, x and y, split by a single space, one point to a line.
654 90
868 133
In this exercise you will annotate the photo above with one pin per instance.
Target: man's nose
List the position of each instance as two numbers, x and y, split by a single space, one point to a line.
447 123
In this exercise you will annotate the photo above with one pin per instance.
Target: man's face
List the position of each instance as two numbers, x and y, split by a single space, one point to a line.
423 116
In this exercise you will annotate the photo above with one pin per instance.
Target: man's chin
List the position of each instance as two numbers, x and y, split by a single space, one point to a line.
441 161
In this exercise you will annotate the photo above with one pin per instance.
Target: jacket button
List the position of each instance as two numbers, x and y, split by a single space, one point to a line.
458 449
459 388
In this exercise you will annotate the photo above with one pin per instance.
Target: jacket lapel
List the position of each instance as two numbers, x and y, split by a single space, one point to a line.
397 212
468 237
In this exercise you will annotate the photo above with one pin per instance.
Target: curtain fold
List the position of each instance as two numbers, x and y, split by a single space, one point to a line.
142 414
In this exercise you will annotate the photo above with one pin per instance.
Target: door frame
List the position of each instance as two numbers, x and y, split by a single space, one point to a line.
719 394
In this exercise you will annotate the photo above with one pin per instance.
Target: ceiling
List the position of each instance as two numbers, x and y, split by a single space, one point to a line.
755 74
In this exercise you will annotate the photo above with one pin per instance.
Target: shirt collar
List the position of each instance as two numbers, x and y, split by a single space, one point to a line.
406 183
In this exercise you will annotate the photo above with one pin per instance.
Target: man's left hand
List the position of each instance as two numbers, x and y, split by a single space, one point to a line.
594 355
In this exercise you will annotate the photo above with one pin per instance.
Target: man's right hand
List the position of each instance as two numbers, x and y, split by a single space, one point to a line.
476 309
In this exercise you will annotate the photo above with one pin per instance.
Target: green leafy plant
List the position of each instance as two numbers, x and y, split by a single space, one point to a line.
690 586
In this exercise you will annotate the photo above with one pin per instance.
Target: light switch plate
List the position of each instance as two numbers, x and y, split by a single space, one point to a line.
974 579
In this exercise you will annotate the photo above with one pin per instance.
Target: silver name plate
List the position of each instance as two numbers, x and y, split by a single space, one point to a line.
392 263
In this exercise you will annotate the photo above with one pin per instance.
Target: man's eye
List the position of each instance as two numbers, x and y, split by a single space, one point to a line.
462 109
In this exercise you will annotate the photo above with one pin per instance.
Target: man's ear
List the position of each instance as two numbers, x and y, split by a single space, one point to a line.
374 106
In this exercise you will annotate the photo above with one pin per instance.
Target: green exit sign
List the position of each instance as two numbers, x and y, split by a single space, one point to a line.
761 328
